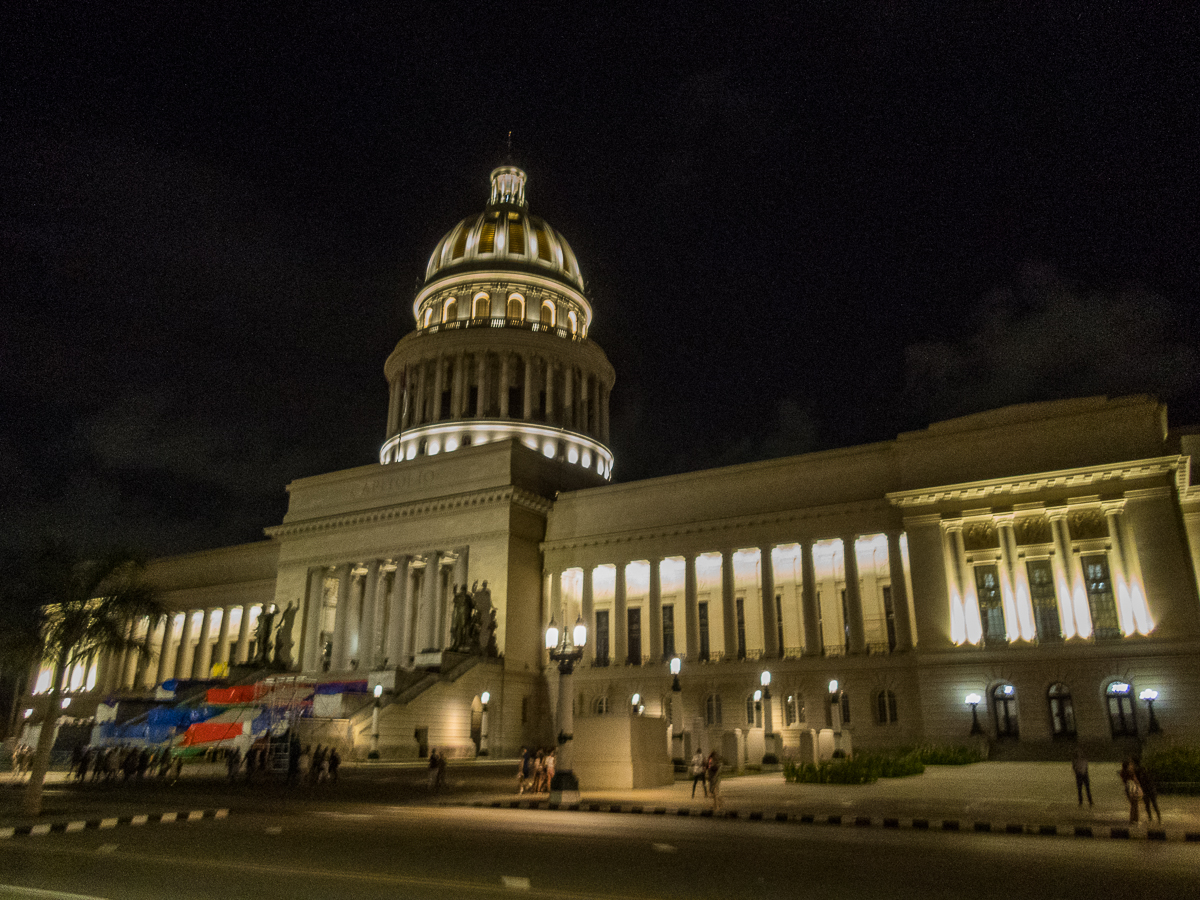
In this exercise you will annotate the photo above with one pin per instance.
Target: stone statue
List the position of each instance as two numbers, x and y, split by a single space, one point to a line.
262 635
485 618
283 637
460 625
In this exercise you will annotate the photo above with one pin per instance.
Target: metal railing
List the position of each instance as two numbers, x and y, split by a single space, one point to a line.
561 331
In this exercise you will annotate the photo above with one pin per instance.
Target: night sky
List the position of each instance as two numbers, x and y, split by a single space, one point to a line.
799 230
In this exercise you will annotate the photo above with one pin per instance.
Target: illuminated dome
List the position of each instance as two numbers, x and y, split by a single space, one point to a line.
506 236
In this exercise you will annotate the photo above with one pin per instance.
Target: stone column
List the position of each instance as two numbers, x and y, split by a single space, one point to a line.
222 654
771 648
458 395
655 599
1142 622
481 385
393 408
312 621
164 649
243 641
588 609
550 418
568 419
1064 576
620 629
585 387
439 370
418 414
528 407
899 594
691 607
341 626
203 647
427 608
814 642
604 392
728 605
183 659
854 613
397 630
505 358
368 630
1018 609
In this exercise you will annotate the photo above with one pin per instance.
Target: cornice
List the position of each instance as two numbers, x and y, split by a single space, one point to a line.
514 495
1023 484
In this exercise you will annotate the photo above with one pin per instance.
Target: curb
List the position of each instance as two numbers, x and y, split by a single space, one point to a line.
111 822
1102 832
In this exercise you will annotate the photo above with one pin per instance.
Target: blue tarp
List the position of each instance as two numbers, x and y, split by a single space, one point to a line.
180 717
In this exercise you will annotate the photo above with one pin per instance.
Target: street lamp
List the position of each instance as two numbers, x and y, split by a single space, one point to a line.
374 754
768 719
483 723
566 652
677 711
835 706
1150 696
973 701
675 667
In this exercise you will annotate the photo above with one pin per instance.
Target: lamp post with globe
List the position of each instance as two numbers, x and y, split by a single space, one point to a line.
566 649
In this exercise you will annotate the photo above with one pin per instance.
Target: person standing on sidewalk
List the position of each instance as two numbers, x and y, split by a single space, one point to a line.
1149 790
1133 790
1080 766
714 780
698 773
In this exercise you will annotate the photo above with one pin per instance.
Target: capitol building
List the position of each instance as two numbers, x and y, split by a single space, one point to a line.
1025 577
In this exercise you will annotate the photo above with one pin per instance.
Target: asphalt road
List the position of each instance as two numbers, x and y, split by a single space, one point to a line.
366 852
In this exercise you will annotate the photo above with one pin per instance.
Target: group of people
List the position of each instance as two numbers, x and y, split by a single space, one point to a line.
535 771
706 771
437 769
1138 783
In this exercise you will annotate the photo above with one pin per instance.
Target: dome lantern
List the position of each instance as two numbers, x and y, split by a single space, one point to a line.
508 186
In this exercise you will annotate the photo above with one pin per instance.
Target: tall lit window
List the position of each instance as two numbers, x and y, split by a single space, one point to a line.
635 636
427 318
991 607
450 310
753 712
600 706
547 313
702 619
516 234
1062 711
516 307
487 235
712 709
793 710
668 630
740 606
573 322
482 306
1121 718
1045 603
1004 708
460 244
1101 602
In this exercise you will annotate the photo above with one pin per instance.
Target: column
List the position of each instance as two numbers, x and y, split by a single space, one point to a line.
427 611
183 659
164 649
620 627
550 419
588 609
858 643
528 408
728 607
814 641
568 420
458 399
1142 621
368 630
393 408
691 607
340 625
1064 577
203 647
899 593
771 648
398 614
439 369
418 414
1014 584
222 654
481 385
313 604
505 357
584 391
1119 572
603 400
243 641
655 599
405 399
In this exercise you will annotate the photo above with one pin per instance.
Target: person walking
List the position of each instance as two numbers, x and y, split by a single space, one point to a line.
1080 766
698 768
713 772
1149 790
1133 790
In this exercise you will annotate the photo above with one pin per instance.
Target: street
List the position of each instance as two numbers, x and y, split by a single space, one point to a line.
430 852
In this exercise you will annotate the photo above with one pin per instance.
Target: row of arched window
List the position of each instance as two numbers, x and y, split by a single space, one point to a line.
1118 695
481 308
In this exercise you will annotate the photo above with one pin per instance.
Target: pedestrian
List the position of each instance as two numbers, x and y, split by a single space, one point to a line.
433 768
1149 789
335 760
1080 766
539 772
315 774
233 762
713 773
551 763
1133 790
522 770
698 769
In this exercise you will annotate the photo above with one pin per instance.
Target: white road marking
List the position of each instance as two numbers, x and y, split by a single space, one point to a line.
664 848
76 826
107 848
515 883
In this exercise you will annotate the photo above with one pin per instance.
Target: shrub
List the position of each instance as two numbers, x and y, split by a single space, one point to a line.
948 755
865 768
1175 770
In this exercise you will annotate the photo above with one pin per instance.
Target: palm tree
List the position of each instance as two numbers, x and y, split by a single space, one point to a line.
84 607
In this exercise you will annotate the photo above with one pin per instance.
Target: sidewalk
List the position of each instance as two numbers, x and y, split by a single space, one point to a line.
1003 797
